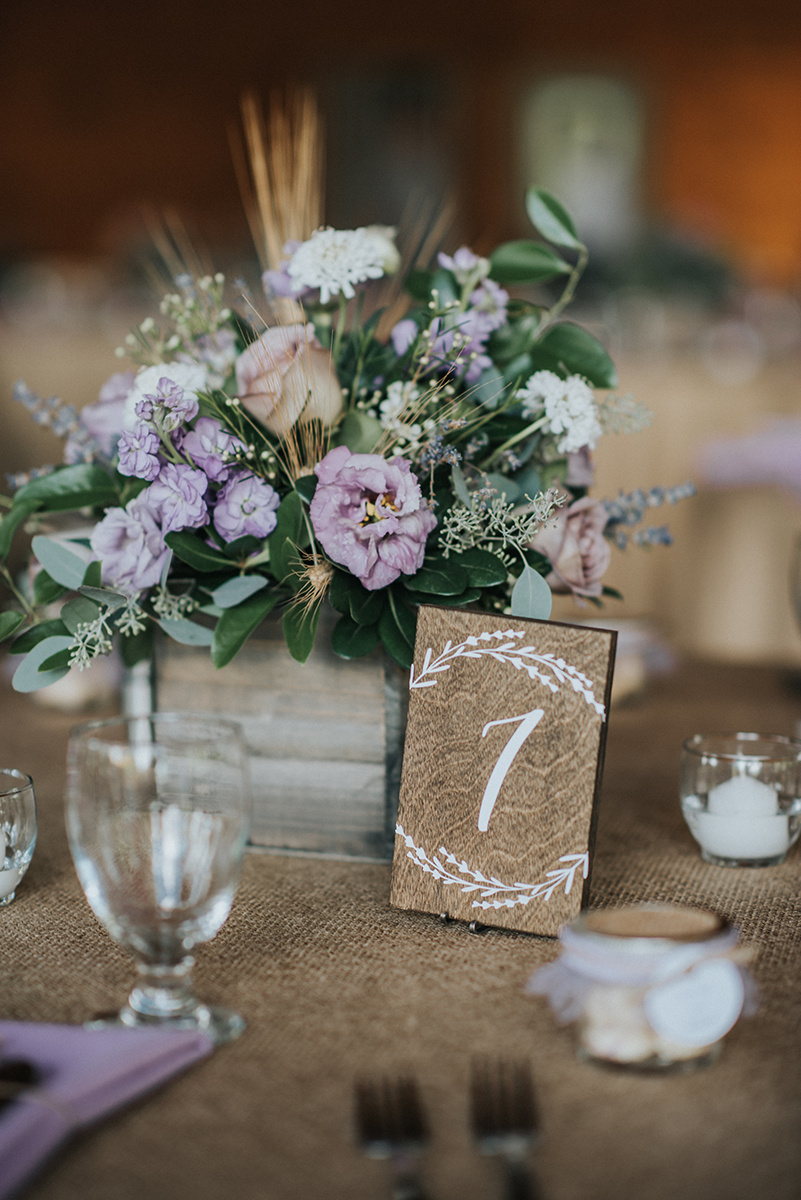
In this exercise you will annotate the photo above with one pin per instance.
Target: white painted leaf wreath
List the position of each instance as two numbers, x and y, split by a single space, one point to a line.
493 891
522 658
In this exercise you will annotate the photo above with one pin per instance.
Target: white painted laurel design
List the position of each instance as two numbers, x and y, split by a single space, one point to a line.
491 889
546 668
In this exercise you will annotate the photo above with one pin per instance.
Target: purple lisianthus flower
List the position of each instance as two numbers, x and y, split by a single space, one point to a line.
138 451
168 407
130 546
178 496
370 516
209 446
245 506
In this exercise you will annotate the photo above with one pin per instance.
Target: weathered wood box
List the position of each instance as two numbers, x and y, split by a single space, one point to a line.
326 738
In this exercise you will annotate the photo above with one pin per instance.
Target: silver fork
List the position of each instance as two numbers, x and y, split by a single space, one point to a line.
505 1121
391 1124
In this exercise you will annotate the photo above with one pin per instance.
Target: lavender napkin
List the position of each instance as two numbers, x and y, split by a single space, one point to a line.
86 1074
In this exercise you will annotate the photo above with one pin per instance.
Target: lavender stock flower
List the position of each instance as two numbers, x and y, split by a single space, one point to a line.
178 496
209 447
245 506
370 516
138 451
130 546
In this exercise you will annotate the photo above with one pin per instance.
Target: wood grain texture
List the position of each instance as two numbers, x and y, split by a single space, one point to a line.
471 670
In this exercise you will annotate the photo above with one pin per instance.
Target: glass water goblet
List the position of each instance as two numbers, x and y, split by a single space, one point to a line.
18 826
158 815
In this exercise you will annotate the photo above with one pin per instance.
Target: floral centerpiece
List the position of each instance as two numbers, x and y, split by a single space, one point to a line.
377 458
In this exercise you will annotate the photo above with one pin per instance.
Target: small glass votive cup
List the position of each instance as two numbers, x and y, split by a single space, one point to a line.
18 828
741 797
650 987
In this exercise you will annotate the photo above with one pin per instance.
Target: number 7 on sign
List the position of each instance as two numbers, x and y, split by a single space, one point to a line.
528 723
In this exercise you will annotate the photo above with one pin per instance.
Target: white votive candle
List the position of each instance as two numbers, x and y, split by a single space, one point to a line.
743 821
9 878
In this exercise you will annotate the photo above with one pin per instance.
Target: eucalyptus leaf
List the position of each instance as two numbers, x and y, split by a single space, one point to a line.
352 640
489 388
93 576
187 633
300 628
236 625
28 677
360 432
460 485
57 662
194 551
504 485
80 611
526 262
306 486
550 219
62 564
397 630
9 623
107 596
531 596
235 590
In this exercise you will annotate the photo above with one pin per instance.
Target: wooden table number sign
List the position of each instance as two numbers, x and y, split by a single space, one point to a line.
502 769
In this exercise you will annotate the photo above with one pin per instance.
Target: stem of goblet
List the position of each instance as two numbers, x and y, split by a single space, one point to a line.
164 993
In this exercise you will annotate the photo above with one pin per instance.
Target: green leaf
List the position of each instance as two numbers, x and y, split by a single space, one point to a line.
9 623
196 553
84 485
468 596
137 647
188 633
460 487
286 537
300 627
79 611
93 576
107 596
242 547
418 284
61 563
529 482
531 596
397 630
56 662
484 569
339 591
46 589
352 640
505 486
16 516
440 577
236 625
366 607
489 389
235 590
360 432
550 219
568 348
28 677
36 634
306 486
526 262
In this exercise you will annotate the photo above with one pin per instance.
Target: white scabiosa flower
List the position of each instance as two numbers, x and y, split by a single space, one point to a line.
570 409
333 260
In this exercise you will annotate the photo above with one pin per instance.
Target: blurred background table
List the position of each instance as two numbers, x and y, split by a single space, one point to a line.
335 983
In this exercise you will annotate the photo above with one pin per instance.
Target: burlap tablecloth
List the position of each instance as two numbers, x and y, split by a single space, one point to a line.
335 983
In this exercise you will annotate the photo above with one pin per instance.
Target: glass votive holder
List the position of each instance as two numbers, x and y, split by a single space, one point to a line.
741 796
649 987
18 827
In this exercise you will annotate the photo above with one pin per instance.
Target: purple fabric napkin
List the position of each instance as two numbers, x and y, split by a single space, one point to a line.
86 1074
